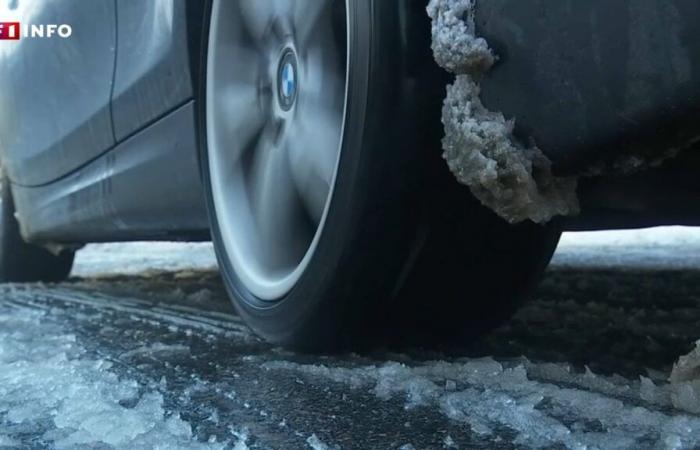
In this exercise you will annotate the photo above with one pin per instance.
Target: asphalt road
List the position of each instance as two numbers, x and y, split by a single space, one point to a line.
140 349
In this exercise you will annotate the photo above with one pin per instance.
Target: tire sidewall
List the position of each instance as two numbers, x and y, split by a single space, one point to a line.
341 284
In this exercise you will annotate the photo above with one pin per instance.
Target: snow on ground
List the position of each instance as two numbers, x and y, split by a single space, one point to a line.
136 257
651 248
152 355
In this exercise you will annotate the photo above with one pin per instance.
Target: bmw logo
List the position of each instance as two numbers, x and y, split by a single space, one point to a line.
287 80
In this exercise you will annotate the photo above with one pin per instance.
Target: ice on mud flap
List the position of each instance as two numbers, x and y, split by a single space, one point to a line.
513 180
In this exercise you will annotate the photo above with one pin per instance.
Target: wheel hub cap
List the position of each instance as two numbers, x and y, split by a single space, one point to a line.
275 114
287 80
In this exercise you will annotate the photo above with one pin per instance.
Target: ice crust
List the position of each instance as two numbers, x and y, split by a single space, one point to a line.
455 45
48 384
513 180
545 405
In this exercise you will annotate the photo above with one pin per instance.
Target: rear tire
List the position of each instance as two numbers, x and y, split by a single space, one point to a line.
21 262
472 271
405 254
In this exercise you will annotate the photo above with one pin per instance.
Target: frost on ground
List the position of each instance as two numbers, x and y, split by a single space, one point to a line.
53 392
513 180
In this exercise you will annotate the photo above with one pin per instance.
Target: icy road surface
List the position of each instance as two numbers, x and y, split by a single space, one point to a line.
141 350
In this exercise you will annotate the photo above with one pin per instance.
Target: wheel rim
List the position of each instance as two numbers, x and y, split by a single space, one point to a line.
276 95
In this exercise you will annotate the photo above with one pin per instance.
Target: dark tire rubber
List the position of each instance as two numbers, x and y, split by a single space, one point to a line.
21 262
406 254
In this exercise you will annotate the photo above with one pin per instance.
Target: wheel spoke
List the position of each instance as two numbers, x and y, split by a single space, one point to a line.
241 101
244 117
280 221
313 146
308 15
259 16
240 63
309 181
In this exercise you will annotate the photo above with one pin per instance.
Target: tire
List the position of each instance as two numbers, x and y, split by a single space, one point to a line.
21 262
472 271
401 250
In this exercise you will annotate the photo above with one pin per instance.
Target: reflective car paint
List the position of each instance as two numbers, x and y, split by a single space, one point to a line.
152 75
147 187
54 92
100 152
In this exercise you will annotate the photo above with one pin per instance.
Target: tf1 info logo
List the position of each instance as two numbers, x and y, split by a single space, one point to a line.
11 31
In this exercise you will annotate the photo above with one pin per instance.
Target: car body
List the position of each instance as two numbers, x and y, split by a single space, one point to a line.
101 132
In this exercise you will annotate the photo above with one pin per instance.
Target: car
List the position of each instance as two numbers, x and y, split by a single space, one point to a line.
302 137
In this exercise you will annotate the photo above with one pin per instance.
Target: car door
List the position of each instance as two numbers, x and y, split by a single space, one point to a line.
152 77
55 91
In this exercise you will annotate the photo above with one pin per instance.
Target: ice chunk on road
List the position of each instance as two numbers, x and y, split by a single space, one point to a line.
317 444
6 441
685 381
650 392
580 411
242 443
156 350
448 442
50 383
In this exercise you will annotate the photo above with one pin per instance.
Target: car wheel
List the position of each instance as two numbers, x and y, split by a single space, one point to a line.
319 147
22 262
